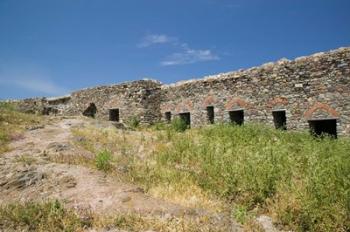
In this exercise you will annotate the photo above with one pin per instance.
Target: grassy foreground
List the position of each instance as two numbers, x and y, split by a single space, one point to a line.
302 182
52 216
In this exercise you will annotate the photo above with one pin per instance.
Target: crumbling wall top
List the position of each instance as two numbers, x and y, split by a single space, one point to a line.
127 84
267 66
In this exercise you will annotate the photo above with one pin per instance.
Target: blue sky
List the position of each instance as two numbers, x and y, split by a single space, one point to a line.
52 47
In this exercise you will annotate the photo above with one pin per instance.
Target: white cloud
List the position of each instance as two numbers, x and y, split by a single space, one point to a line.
189 56
153 39
185 55
29 78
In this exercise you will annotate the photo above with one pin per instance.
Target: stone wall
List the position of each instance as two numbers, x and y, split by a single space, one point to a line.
139 99
314 87
45 106
307 88
31 105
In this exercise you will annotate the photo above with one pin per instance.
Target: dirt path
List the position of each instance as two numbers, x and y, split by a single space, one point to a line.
78 185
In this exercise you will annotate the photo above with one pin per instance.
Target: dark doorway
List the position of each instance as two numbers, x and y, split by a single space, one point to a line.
322 127
167 117
90 111
50 110
280 119
47 110
186 117
237 117
210 114
114 115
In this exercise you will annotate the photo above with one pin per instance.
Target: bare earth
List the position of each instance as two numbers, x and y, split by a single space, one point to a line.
26 173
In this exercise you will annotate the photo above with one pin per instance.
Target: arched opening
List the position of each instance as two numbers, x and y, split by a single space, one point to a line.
90 111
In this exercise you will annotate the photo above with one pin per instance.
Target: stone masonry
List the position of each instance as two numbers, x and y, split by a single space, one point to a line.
306 90
139 99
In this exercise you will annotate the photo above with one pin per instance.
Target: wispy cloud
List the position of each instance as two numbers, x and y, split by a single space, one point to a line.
154 39
39 85
29 78
189 56
184 55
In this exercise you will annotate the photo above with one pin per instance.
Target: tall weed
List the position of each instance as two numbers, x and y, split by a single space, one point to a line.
258 167
103 160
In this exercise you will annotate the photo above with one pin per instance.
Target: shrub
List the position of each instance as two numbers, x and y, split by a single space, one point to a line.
103 160
134 122
159 126
178 124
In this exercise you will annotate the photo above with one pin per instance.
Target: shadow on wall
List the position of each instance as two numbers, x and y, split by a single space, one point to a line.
90 111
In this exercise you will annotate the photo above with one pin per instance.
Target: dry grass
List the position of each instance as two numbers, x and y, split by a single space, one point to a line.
120 142
72 159
50 216
53 216
132 150
26 159
300 181
188 195
13 123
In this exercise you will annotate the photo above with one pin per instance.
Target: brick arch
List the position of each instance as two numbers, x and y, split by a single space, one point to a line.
277 101
112 103
209 100
323 107
184 106
167 107
236 102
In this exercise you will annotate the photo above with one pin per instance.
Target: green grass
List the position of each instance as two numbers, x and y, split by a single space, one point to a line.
179 125
302 182
53 216
48 216
133 122
103 160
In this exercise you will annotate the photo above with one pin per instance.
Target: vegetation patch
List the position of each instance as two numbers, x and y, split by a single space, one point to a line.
134 222
134 122
179 125
128 150
49 216
103 160
301 181
12 124
53 216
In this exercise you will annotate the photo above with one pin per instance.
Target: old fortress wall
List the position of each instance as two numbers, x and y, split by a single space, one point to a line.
138 99
311 91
